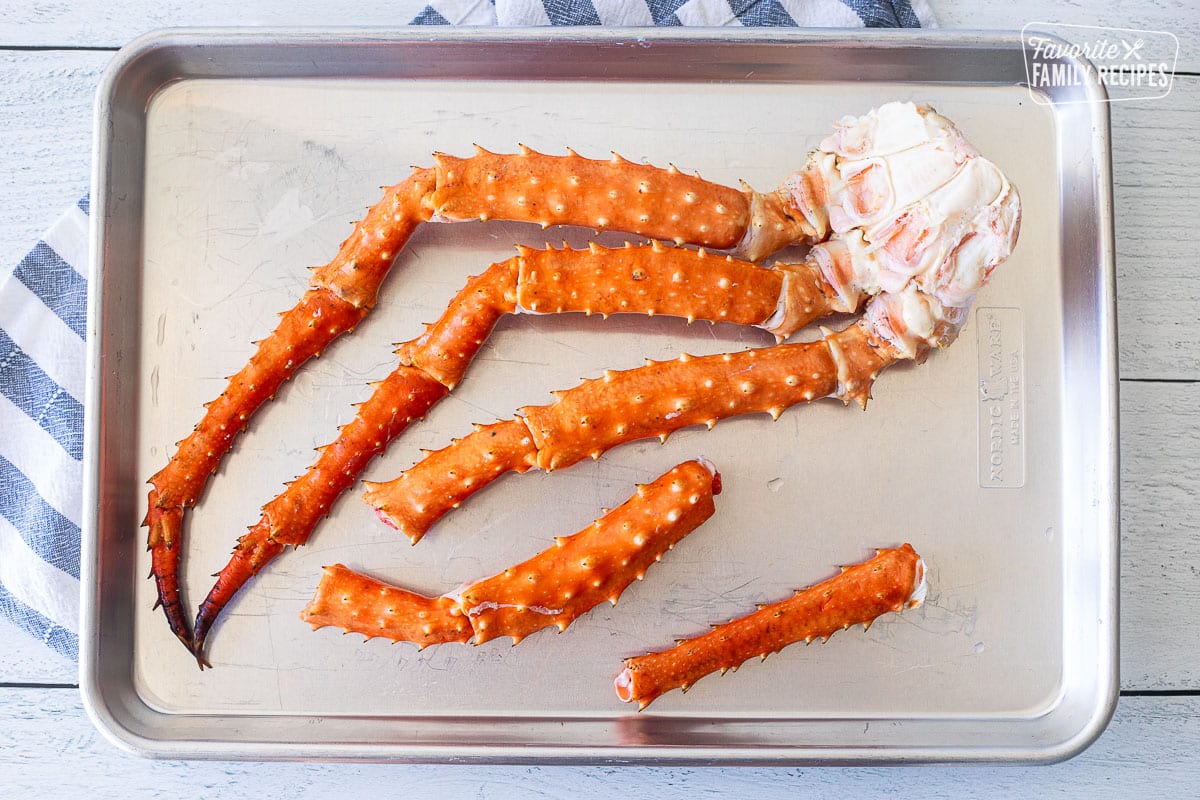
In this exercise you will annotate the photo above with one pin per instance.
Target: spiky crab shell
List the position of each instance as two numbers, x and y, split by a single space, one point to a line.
553 588
624 406
356 603
444 478
557 586
612 194
891 581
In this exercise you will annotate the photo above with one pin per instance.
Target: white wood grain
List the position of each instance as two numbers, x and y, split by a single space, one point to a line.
1157 191
112 23
46 139
48 745
24 659
1160 541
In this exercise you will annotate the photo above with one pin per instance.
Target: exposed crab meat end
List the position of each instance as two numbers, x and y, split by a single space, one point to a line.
806 295
875 165
920 585
806 191
946 244
848 268
871 191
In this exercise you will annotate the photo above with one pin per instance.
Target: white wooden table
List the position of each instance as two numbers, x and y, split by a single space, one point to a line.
51 56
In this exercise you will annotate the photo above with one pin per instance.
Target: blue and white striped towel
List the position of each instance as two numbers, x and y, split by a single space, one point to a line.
693 13
43 314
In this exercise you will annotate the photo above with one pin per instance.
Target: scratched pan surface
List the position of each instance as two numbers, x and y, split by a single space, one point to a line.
229 162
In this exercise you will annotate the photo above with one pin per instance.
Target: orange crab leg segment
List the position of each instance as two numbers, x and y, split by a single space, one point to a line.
665 396
891 581
652 279
354 602
446 348
581 571
421 496
603 194
620 407
553 588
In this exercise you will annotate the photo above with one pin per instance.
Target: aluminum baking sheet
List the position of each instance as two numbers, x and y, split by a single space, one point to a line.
227 162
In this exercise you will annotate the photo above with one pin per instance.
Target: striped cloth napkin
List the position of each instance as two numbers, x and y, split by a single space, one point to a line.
43 303
693 13
43 324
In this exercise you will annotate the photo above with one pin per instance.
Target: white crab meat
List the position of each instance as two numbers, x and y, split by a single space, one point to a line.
920 220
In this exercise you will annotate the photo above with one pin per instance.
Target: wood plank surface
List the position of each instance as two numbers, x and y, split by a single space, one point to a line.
25 660
48 745
46 139
1160 535
112 23
1156 188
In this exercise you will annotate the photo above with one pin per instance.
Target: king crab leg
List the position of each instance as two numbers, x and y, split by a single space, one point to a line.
891 581
553 588
619 195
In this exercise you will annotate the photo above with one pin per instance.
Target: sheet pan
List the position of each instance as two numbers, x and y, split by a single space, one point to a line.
227 161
